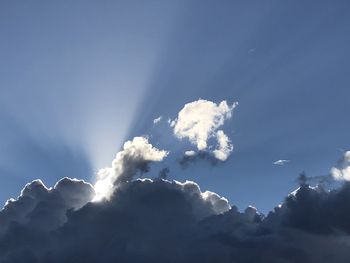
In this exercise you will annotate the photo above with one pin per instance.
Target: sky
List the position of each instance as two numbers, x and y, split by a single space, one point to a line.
174 131
79 78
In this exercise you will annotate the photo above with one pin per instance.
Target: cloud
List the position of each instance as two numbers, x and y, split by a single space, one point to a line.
45 208
224 148
168 221
191 157
142 221
135 157
190 153
221 153
199 120
342 170
281 162
157 120
146 220
320 180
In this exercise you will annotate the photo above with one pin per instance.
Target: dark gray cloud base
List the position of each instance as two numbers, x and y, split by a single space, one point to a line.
162 221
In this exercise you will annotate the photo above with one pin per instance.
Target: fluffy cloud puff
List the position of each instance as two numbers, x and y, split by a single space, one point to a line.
199 120
135 157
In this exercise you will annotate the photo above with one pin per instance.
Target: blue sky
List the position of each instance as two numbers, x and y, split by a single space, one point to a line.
78 78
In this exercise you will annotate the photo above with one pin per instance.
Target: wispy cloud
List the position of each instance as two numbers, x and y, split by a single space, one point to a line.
157 120
281 162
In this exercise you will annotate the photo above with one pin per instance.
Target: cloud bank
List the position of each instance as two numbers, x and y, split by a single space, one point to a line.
168 221
157 220
199 121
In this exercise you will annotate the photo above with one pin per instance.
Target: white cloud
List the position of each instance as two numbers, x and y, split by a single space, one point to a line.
224 148
219 204
190 153
342 171
157 120
199 120
281 162
135 156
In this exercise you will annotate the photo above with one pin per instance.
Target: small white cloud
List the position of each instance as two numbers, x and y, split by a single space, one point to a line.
342 170
190 153
224 148
281 162
199 120
157 120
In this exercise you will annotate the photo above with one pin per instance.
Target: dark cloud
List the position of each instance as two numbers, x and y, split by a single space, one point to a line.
27 222
320 180
162 221
163 173
203 156
45 208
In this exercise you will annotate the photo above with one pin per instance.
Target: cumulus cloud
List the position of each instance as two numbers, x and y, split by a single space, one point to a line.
140 222
342 170
135 157
45 208
158 220
157 120
281 162
199 120
168 221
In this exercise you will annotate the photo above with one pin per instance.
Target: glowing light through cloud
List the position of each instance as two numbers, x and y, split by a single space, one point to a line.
135 157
